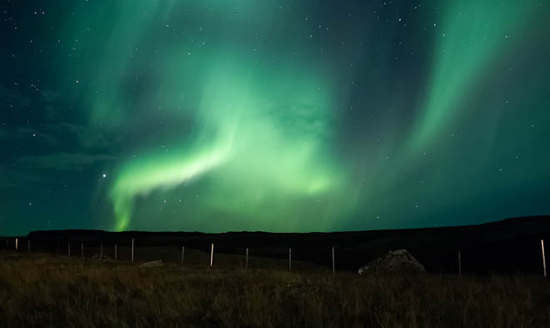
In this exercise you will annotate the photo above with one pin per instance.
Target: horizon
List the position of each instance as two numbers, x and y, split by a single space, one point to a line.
266 117
279 232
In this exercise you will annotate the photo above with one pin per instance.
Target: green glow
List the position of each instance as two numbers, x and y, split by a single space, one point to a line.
261 131
261 115
472 32
142 177
262 149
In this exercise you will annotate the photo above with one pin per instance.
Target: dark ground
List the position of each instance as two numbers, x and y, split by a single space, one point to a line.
509 246
44 290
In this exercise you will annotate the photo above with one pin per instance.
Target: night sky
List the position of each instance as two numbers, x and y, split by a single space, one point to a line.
230 115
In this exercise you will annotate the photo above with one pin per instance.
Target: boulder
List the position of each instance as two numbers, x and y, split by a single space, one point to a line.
398 261
152 264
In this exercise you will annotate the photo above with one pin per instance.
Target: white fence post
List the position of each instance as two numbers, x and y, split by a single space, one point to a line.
116 252
459 264
182 253
16 243
333 262
247 257
290 259
132 249
543 257
212 255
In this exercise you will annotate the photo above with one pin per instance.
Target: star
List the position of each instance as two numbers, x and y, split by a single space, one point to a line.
278 126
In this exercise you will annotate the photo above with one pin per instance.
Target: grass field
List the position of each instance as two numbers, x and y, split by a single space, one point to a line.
38 290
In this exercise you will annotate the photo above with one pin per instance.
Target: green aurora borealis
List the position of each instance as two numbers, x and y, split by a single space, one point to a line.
222 115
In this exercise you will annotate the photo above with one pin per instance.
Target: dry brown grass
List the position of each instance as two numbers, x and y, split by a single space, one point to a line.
48 291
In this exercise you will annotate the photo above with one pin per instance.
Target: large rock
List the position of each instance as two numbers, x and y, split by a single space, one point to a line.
152 264
398 261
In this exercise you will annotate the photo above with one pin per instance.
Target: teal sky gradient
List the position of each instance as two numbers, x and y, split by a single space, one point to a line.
274 115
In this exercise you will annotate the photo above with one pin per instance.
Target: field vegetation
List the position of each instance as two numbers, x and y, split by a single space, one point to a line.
39 290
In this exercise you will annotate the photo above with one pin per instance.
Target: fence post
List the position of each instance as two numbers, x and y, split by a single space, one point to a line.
132 249
182 253
290 259
82 249
29 245
116 252
543 257
333 262
459 264
100 250
212 255
16 243
69 248
247 257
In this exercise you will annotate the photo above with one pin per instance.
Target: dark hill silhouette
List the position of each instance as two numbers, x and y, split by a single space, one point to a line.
508 246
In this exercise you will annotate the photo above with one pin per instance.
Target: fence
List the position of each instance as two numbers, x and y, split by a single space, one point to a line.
305 260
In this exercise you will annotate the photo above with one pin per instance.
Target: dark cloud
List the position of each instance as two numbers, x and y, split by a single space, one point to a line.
27 132
86 137
64 161
50 95
12 98
15 178
52 113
